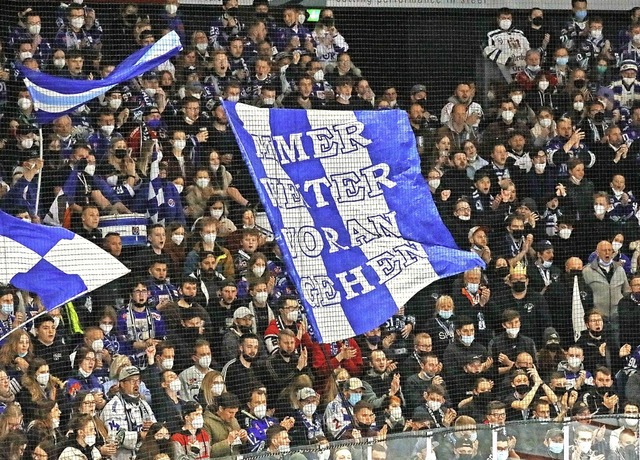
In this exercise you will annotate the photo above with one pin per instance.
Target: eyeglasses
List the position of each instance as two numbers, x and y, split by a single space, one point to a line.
140 291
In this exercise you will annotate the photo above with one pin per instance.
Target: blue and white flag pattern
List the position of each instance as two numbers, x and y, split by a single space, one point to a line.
155 193
56 96
55 263
359 232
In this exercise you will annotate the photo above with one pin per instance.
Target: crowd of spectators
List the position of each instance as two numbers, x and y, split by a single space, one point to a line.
203 351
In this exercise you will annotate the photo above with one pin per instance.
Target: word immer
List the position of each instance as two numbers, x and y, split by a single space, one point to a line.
327 142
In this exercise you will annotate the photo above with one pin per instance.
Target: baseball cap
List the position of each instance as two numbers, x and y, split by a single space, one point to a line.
189 407
304 393
242 312
529 203
628 64
418 88
551 336
127 372
353 384
543 245
473 231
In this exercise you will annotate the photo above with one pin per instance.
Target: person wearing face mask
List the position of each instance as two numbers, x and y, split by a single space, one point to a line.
532 306
626 90
38 386
72 34
241 324
140 324
527 78
544 272
472 298
541 184
192 440
102 137
128 412
289 317
464 347
191 378
254 419
575 27
342 101
594 342
609 283
171 20
198 194
602 398
509 59
94 340
84 378
339 417
416 384
505 347
512 117
545 128
307 428
226 25
623 201
246 371
83 445
159 359
179 163
594 45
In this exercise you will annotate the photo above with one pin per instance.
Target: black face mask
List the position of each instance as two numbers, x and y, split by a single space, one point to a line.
575 272
483 398
139 304
537 21
120 153
502 271
598 117
245 329
517 234
248 358
523 389
579 84
519 286
559 391
232 12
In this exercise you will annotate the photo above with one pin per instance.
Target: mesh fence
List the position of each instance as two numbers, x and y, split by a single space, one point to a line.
525 123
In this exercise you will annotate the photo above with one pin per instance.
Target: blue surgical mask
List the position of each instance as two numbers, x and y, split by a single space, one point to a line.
22 354
445 314
7 308
467 339
562 60
354 398
547 263
473 287
154 124
580 15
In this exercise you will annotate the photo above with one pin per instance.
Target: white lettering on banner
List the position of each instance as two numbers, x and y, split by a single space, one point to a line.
340 139
349 186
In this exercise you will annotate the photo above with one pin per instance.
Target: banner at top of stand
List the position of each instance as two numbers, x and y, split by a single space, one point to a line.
359 232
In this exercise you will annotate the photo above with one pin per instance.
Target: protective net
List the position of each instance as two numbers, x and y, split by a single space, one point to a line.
442 239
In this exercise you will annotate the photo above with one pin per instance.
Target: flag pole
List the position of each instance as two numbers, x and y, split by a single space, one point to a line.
40 172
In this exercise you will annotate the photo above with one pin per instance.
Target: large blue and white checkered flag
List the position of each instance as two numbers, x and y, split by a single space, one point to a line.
55 96
55 263
353 215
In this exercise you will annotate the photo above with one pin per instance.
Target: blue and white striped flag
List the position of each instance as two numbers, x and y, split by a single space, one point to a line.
155 198
55 263
56 96
353 215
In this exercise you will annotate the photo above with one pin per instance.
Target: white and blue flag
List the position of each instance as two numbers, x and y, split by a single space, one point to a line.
56 96
353 215
55 263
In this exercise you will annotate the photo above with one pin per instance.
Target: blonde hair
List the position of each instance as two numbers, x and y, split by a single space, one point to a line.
117 363
207 382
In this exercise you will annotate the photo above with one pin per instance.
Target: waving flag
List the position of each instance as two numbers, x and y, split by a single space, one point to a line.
55 96
55 263
359 232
